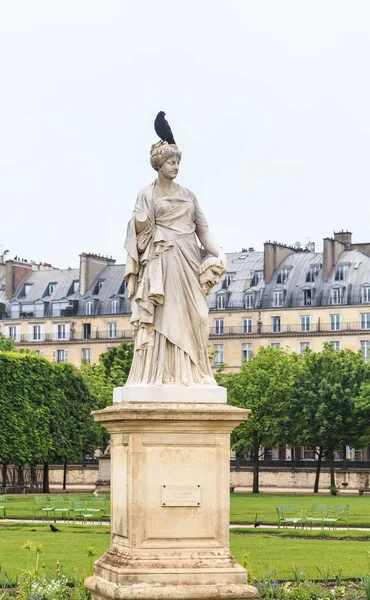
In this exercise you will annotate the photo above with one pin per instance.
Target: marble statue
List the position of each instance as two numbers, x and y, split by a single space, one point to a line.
168 277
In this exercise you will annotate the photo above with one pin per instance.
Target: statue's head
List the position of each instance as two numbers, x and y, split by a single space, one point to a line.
166 158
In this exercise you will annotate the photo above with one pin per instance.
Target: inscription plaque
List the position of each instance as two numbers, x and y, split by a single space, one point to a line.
180 495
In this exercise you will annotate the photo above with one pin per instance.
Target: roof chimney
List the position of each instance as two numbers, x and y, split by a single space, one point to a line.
273 254
345 237
90 267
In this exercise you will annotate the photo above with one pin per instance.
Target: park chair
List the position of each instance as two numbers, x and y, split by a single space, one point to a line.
42 504
288 515
3 507
340 513
98 506
60 508
317 515
79 511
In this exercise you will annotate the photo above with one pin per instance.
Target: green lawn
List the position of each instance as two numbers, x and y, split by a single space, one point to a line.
21 506
67 546
245 507
265 551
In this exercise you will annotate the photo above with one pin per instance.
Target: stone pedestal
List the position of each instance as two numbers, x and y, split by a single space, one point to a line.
170 503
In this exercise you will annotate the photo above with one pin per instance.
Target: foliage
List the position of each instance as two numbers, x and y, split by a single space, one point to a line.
329 405
265 386
6 344
44 411
101 378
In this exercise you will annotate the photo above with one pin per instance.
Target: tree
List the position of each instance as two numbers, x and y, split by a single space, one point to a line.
6 344
330 396
263 385
101 378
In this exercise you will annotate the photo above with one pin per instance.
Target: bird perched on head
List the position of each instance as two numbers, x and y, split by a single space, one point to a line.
162 128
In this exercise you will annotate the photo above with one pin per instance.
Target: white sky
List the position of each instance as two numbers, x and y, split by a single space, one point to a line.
268 100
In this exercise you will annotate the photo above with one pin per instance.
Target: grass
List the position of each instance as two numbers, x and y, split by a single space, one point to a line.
68 547
266 551
307 533
245 507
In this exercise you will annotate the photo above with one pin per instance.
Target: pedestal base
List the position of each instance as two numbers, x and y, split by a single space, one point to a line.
199 394
101 589
170 501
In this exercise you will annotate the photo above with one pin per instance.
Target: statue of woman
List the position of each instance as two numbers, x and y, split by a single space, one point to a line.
167 281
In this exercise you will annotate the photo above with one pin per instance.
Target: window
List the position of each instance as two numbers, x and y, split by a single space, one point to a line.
313 273
60 355
88 308
27 287
365 320
365 294
36 333
219 326
228 279
221 302
335 345
114 307
283 275
336 296
303 346
365 349
305 323
275 344
308 296
341 272
61 332
39 352
112 330
87 331
51 288
219 358
334 322
275 324
247 326
86 354
278 298
255 279
247 352
249 301
12 332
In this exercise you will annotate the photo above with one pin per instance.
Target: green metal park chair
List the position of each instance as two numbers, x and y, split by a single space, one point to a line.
339 513
61 508
316 516
3 507
288 515
42 505
79 511
98 506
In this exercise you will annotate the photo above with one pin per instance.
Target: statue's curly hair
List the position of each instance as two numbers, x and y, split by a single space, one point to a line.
161 152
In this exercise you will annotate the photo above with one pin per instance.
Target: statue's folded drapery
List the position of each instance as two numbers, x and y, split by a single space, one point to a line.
169 308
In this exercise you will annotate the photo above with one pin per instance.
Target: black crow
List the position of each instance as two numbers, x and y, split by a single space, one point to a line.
257 523
162 128
53 529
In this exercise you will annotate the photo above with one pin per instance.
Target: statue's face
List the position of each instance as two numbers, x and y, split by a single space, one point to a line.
170 168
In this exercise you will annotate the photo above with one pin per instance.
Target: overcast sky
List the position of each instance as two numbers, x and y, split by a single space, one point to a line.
269 102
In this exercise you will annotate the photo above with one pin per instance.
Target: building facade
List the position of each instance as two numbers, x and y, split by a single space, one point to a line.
284 296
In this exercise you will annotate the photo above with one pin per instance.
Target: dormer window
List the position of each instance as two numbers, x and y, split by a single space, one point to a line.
308 297
336 296
221 301
282 275
341 272
249 300
27 287
76 284
313 273
228 279
278 298
365 294
255 279
51 288
98 286
114 307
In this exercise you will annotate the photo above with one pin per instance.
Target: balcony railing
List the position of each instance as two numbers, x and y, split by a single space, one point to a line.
24 338
261 329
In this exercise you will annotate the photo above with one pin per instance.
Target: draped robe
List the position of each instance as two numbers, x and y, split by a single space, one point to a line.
169 308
